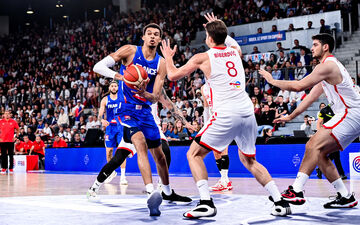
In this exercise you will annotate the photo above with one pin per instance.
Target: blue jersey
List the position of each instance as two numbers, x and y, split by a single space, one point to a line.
151 68
112 105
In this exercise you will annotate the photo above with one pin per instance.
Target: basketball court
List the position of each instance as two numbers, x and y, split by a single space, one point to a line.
60 198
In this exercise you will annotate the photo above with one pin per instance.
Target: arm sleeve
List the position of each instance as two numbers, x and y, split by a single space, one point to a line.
102 67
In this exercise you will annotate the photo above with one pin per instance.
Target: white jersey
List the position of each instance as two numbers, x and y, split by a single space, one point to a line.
227 82
154 111
341 96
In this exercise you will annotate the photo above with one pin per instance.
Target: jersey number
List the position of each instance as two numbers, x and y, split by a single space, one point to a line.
231 69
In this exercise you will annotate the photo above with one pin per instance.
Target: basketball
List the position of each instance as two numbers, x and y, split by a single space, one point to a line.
134 75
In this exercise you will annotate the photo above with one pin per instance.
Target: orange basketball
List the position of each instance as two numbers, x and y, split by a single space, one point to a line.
134 75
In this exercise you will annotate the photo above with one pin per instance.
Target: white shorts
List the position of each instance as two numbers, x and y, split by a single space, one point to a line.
127 146
223 128
345 127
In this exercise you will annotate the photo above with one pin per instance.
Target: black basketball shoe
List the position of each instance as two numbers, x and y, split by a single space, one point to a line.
342 202
281 208
293 197
205 208
175 198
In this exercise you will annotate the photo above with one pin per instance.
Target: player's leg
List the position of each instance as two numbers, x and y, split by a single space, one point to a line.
123 180
120 141
166 149
219 186
335 156
10 148
120 155
245 139
205 207
4 160
110 144
225 169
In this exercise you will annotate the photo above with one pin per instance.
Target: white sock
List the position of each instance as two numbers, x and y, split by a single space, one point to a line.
340 187
224 175
122 172
273 191
300 181
96 185
149 188
166 189
203 188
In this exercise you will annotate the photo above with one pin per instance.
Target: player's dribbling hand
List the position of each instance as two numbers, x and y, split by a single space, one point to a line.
166 50
282 119
140 89
210 18
268 77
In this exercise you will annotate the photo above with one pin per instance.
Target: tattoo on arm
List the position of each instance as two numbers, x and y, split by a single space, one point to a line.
175 111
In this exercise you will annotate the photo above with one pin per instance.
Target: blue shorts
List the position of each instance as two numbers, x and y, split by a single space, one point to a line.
139 118
113 136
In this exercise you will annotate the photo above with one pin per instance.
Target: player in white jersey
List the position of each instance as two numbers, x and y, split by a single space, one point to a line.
232 119
332 78
222 159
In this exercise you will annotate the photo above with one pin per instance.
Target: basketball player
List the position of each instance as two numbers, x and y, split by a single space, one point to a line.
114 131
222 159
331 77
134 112
232 118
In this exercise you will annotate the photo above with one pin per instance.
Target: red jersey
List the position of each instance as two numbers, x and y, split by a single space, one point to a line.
60 144
19 146
7 129
27 146
39 147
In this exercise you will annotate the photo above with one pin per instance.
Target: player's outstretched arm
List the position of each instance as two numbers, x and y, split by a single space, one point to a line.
321 72
206 112
123 55
175 111
174 73
314 94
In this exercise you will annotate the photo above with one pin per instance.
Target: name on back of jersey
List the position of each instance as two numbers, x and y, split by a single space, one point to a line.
224 54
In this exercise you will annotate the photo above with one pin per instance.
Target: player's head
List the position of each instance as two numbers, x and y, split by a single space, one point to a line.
152 34
216 32
322 43
38 139
7 114
114 87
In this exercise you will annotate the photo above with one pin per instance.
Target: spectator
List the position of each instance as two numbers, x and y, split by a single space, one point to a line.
30 134
259 30
257 108
38 148
97 122
197 81
274 29
291 27
300 71
77 143
285 94
169 134
81 122
276 74
303 57
192 132
78 111
186 116
59 142
266 119
91 123
169 118
281 60
83 133
255 50
309 24
164 111
324 28
279 47
303 126
271 103
282 108
180 131
179 103
298 46
46 133
257 94
63 118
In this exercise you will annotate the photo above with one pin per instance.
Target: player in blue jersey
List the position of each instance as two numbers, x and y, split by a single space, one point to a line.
134 112
114 131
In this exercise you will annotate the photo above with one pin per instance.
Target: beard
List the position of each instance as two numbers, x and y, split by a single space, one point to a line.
318 56
113 92
152 46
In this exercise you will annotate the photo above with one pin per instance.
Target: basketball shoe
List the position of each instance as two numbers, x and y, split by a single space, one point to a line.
91 195
342 202
154 202
3 171
111 177
175 197
205 208
293 197
219 186
281 208
229 186
11 171
123 180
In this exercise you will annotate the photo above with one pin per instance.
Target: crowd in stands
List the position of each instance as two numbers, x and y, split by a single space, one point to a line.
47 80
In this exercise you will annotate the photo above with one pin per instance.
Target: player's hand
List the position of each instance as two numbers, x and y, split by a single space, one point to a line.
210 18
268 77
189 126
118 76
105 123
282 119
166 50
140 89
